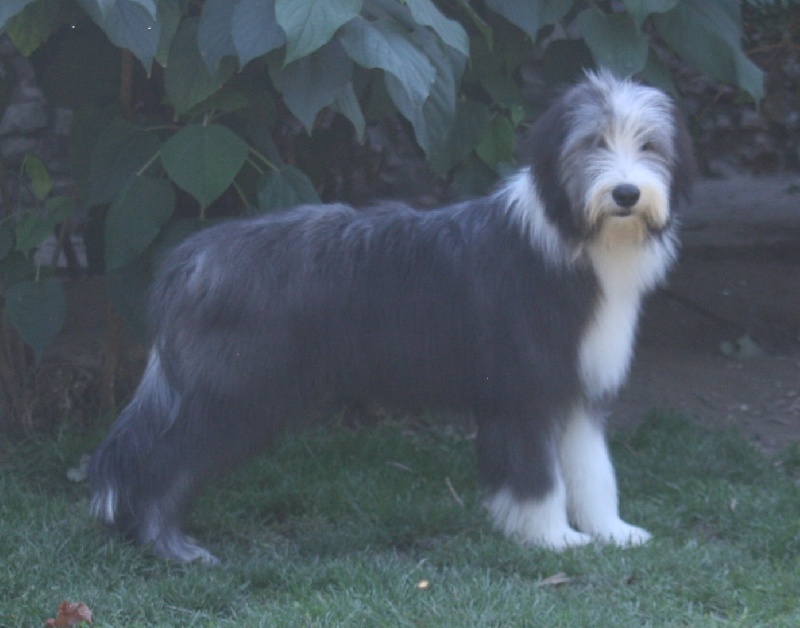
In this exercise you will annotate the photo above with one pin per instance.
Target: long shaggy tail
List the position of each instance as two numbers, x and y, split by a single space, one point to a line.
117 468
135 474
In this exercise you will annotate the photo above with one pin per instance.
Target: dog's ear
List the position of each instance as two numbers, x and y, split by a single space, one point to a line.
684 168
540 144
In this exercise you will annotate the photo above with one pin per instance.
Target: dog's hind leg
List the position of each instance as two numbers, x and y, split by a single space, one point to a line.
528 498
591 484
162 448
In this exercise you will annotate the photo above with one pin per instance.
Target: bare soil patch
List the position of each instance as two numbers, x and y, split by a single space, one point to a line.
738 278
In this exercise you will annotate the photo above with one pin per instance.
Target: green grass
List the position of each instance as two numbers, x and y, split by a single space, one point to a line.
339 527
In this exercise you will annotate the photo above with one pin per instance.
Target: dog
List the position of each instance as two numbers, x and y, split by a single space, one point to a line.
520 307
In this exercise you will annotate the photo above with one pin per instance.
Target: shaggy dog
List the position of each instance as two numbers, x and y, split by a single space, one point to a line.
520 307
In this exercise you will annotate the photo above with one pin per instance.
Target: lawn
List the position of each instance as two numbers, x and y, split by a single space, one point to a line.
383 527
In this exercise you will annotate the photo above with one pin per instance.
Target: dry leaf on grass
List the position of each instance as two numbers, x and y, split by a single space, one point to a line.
556 580
70 613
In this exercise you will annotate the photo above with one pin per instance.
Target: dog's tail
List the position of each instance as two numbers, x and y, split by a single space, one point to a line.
133 475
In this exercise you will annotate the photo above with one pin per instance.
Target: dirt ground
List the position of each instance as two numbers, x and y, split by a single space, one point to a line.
721 342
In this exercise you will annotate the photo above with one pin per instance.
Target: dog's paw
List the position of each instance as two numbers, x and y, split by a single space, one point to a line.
622 534
560 540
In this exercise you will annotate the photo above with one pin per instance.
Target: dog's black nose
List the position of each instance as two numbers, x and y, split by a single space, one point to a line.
625 195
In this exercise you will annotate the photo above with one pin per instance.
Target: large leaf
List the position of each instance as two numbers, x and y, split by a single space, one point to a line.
37 310
187 78
33 227
41 181
531 16
708 34
121 151
204 160
30 28
255 30
433 120
497 144
10 8
384 44
615 41
451 32
214 37
347 104
313 82
130 24
310 24
642 9
101 9
469 126
286 187
135 219
169 17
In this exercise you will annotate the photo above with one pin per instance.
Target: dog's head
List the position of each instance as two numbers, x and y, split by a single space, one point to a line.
610 160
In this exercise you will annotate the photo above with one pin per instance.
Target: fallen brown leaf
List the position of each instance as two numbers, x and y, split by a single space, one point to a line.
556 580
71 613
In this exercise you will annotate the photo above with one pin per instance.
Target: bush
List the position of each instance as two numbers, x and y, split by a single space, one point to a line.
187 110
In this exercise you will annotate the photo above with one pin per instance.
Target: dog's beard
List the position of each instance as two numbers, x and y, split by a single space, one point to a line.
615 225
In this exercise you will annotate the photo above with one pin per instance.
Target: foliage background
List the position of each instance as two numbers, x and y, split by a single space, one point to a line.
189 111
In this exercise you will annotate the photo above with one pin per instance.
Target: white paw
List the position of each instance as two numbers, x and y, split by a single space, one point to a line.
623 534
560 540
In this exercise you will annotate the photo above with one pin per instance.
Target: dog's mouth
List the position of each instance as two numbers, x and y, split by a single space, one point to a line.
622 212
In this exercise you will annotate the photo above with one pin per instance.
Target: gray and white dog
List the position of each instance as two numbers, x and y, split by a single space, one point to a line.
520 307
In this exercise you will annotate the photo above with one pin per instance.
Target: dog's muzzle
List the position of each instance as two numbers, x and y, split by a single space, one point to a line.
625 196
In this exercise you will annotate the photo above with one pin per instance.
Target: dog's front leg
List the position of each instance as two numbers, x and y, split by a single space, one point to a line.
528 498
591 485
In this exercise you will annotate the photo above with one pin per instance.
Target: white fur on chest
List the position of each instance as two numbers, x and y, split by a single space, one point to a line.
625 272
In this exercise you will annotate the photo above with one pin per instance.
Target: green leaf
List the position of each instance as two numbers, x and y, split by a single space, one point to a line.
10 8
36 171
310 24
451 32
37 310
313 82
470 124
286 187
385 45
640 10
204 160
130 24
347 104
121 151
30 28
59 208
135 219
169 17
615 41
433 120
497 143
101 9
531 16
255 30
657 74
708 34
33 228
187 78
214 37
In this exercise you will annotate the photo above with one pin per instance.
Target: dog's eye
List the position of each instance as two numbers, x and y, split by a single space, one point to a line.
602 143
648 147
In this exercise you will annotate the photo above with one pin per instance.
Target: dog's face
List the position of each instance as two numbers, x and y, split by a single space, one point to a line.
619 156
